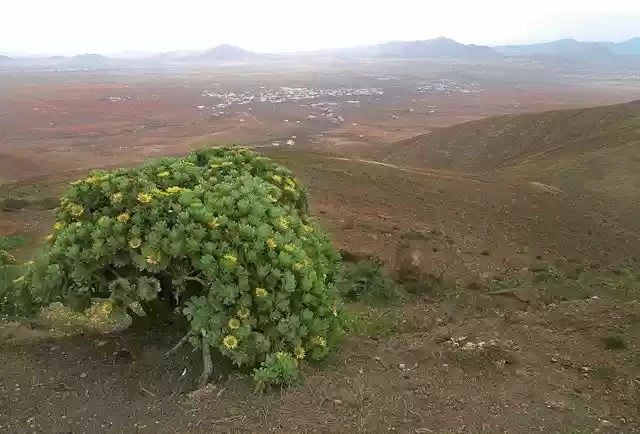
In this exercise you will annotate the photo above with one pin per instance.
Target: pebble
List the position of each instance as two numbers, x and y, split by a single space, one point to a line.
402 366
606 423
83 375
556 405
337 402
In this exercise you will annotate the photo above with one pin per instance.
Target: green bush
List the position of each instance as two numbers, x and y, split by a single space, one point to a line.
278 369
221 237
9 272
368 281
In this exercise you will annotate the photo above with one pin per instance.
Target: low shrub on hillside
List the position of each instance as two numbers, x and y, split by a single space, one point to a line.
368 281
9 272
221 238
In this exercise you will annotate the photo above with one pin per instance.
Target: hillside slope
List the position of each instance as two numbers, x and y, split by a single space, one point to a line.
593 151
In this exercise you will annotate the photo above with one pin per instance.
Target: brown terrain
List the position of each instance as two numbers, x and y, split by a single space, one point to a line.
528 220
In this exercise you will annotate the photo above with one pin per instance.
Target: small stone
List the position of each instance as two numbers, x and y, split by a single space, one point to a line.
402 366
585 369
606 423
101 343
554 360
361 371
556 405
83 375
337 402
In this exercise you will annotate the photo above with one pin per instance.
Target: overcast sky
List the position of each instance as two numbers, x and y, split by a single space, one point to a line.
110 26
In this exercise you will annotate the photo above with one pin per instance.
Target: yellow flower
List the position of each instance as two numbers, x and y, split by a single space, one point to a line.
283 222
271 198
173 189
299 265
215 166
144 197
229 257
289 247
29 262
116 197
276 178
49 237
307 228
261 292
59 225
299 352
230 342
134 243
163 174
213 223
271 243
152 260
281 354
290 183
158 192
76 182
77 210
107 307
123 218
243 313
234 323
289 189
92 179
320 341
19 279
226 164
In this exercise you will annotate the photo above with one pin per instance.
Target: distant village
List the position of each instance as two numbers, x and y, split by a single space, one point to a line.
283 94
446 87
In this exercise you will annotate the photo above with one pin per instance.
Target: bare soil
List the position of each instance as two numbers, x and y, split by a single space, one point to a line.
541 370
460 359
534 327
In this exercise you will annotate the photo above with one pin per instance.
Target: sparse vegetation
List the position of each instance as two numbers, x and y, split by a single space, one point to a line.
376 323
557 283
9 271
368 281
397 371
614 341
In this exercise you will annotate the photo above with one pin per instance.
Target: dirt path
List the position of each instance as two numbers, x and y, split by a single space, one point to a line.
434 173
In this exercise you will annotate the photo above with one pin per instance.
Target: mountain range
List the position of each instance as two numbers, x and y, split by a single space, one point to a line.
571 47
626 53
